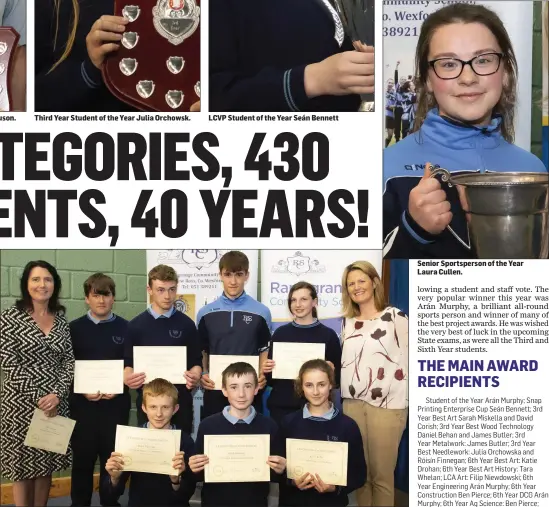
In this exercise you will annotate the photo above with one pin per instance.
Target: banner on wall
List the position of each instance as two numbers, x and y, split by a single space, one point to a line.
545 128
199 284
401 27
280 269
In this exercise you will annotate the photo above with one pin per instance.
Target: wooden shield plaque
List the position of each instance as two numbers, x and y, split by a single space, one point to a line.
157 67
8 44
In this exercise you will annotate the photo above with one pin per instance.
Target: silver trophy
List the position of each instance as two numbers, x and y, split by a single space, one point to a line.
507 213
358 17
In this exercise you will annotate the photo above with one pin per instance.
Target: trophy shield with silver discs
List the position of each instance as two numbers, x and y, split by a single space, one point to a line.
8 44
157 67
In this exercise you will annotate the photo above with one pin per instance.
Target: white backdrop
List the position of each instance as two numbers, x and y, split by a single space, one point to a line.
280 269
198 272
518 19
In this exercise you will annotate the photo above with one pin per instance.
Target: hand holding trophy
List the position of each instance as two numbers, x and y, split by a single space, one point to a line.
358 18
156 66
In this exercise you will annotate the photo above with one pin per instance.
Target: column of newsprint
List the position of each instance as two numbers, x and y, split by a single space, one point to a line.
479 384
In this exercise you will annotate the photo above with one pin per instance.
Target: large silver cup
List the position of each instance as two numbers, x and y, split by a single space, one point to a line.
358 17
507 213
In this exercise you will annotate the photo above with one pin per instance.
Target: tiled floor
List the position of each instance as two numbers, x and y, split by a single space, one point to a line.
195 501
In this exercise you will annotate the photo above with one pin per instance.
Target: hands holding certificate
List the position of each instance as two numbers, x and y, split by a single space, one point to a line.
115 467
308 481
133 380
98 396
48 404
198 462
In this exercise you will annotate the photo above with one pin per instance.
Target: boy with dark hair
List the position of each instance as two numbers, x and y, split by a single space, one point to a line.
240 385
162 325
159 404
98 335
233 324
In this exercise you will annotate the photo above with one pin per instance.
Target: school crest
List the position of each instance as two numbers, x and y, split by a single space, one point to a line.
119 340
175 334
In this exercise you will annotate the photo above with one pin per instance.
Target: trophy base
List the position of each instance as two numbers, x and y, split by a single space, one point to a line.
368 107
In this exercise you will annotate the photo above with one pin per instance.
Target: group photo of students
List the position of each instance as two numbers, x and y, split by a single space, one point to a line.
353 397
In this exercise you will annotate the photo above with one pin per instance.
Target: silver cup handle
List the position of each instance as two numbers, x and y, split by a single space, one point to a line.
446 176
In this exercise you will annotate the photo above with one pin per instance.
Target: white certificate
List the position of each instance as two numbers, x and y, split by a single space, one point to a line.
237 458
169 363
327 459
219 363
289 357
49 433
105 377
147 450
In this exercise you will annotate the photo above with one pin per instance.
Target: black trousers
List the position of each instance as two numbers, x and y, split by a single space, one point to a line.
94 435
405 128
398 123
182 419
215 401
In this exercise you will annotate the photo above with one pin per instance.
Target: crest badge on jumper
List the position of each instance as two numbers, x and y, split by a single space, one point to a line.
157 67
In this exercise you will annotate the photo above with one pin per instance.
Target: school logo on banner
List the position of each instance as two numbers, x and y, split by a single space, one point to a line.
197 259
185 303
298 264
119 340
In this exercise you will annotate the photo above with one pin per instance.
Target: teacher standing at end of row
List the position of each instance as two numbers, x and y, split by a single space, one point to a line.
38 364
374 377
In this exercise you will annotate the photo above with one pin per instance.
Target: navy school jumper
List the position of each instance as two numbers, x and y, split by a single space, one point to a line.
259 50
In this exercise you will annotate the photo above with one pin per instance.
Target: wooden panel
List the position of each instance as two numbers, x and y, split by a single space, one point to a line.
59 487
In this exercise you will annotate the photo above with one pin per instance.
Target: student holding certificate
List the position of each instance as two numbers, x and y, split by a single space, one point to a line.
374 377
232 439
37 362
233 324
304 329
159 404
162 325
97 336
321 420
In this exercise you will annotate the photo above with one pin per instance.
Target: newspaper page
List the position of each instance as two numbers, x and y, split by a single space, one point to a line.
478 396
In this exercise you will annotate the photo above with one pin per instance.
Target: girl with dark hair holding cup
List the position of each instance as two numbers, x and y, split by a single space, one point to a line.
319 419
466 85
305 328
38 364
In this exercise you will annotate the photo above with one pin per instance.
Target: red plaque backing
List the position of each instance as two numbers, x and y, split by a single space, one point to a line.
8 43
152 52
